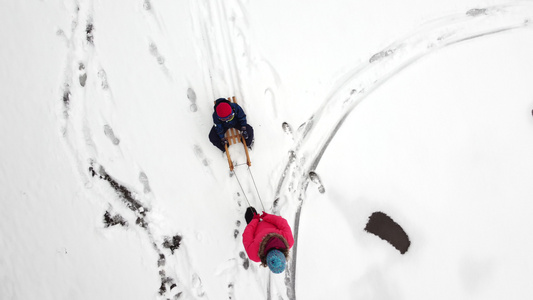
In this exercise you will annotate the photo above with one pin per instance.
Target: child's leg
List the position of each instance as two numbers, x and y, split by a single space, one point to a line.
215 139
250 131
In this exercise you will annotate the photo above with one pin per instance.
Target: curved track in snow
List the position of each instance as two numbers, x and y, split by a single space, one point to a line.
318 131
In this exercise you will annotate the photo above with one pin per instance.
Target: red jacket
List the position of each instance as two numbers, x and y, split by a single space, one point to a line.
257 230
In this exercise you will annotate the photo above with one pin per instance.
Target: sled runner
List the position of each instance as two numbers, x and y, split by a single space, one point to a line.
234 137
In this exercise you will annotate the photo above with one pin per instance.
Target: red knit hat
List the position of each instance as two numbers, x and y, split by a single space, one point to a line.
224 110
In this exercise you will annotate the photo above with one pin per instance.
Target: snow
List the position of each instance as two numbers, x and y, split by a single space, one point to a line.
418 109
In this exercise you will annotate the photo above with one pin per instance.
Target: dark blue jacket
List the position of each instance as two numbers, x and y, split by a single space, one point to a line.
238 121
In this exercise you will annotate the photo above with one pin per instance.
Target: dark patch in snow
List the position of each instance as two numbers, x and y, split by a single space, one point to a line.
161 261
124 193
164 282
172 243
384 227
108 131
114 220
141 222
167 281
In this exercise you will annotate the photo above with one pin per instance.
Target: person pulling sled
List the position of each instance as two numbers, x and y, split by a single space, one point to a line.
228 115
267 239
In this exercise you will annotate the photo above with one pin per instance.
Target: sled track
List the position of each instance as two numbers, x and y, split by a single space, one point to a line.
217 46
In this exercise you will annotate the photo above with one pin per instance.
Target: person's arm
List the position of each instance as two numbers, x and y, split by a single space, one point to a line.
218 126
248 236
240 116
281 224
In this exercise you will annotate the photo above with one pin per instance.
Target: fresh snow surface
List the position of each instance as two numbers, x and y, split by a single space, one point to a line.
418 109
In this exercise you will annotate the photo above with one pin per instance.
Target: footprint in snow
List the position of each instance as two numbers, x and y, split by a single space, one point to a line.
102 76
197 285
155 52
231 292
83 74
236 231
89 32
66 100
287 128
245 260
314 178
111 135
144 180
237 198
147 5
200 155
191 95
476 12
162 260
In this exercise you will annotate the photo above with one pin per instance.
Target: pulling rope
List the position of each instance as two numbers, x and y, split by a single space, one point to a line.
231 167
257 191
244 193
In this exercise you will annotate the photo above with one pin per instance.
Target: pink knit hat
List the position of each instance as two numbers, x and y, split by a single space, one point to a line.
223 110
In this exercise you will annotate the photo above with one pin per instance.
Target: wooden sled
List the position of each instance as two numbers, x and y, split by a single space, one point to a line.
234 136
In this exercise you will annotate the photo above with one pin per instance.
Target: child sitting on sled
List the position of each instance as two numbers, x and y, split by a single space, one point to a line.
229 115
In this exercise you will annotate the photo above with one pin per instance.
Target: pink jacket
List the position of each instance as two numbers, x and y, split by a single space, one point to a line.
257 230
